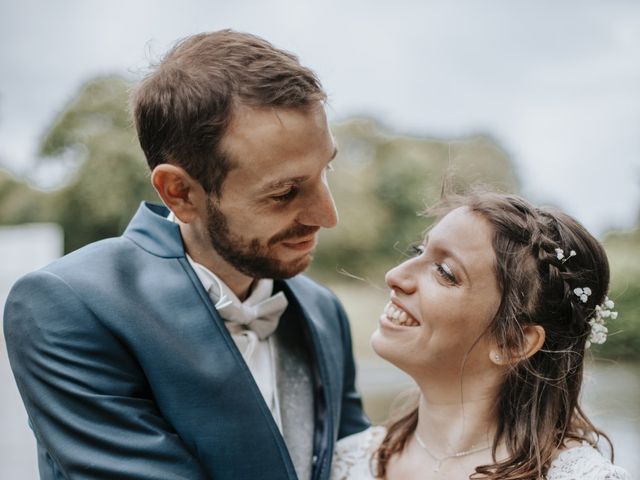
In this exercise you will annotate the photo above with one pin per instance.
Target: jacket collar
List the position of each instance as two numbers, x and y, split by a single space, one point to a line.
150 229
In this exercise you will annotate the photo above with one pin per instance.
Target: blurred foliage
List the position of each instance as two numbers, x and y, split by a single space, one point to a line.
623 250
382 181
21 203
109 179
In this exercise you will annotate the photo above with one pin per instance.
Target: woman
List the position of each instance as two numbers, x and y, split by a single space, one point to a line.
491 319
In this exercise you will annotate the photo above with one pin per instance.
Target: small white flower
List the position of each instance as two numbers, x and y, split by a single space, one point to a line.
582 293
597 322
560 254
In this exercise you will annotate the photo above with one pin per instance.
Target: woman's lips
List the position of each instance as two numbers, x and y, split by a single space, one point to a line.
398 316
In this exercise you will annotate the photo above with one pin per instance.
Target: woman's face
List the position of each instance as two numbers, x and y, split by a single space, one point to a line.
442 300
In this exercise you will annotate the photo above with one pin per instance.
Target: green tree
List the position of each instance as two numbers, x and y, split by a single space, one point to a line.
382 182
624 260
21 203
111 176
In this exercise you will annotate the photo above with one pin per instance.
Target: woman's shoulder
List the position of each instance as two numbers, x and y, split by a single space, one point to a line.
584 462
352 458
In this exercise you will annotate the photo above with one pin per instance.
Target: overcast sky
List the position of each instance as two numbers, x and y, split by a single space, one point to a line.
557 84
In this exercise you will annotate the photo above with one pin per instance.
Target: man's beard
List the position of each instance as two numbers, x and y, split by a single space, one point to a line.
252 258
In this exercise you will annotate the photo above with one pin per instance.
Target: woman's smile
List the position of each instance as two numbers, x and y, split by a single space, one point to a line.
398 316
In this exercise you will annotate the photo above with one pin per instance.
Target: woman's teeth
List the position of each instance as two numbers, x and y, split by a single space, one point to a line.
398 316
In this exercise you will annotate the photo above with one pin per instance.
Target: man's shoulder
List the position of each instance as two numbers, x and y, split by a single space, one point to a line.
92 256
91 265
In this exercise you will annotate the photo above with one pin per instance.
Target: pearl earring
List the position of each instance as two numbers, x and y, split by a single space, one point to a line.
497 357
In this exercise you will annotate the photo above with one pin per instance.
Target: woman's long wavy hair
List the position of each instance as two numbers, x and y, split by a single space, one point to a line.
538 409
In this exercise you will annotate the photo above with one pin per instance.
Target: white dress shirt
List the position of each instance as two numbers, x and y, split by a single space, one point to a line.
259 355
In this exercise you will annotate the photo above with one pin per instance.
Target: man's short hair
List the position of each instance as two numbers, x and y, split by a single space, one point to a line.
182 109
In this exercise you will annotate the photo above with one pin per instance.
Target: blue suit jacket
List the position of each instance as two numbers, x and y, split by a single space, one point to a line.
127 371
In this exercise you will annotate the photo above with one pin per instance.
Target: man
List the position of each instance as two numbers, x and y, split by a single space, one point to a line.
171 352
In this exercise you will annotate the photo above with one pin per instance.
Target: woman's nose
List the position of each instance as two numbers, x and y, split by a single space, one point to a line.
402 278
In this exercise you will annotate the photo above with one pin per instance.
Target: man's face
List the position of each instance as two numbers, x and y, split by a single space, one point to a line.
276 198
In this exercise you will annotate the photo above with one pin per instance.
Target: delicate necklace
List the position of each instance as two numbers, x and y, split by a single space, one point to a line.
440 460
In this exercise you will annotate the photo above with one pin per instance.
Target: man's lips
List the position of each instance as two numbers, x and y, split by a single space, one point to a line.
302 244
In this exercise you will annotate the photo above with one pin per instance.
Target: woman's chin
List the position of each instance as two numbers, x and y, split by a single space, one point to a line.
405 354
386 348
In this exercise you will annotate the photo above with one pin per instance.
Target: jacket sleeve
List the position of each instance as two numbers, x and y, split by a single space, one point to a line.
352 416
88 402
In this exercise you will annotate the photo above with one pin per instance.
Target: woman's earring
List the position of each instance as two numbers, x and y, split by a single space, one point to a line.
497 357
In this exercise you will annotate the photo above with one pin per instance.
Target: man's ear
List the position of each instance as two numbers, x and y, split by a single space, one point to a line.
534 336
180 192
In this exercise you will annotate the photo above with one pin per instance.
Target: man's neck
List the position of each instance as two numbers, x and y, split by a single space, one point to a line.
201 252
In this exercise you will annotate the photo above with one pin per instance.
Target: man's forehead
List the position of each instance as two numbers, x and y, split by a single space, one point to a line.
255 130
273 117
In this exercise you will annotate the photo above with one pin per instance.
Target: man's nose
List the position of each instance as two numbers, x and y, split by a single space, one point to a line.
319 209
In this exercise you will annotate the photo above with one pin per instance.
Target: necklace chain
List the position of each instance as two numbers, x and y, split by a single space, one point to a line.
440 460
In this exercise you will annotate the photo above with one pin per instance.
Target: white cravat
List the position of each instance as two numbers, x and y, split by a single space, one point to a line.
249 331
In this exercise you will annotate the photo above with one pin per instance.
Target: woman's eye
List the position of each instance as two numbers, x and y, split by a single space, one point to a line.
286 196
330 167
417 250
445 272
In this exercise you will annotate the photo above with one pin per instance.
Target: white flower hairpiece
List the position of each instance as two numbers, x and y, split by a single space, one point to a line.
582 293
598 322
560 255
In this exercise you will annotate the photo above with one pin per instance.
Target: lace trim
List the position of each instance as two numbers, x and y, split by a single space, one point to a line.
584 462
352 460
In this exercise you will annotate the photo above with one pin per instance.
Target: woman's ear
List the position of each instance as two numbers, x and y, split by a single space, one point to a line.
178 190
534 336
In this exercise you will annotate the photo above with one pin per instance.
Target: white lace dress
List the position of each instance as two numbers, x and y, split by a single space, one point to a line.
352 460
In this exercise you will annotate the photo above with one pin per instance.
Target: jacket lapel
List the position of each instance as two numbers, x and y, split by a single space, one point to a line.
210 397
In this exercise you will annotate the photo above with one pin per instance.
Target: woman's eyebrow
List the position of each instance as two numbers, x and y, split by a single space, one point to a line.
448 253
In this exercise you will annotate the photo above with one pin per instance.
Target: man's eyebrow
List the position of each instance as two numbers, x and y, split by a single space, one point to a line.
284 182
287 182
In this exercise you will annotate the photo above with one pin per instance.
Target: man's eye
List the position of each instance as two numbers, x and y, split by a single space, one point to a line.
286 196
330 167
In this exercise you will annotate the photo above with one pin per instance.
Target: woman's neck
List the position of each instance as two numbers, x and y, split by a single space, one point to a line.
456 417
